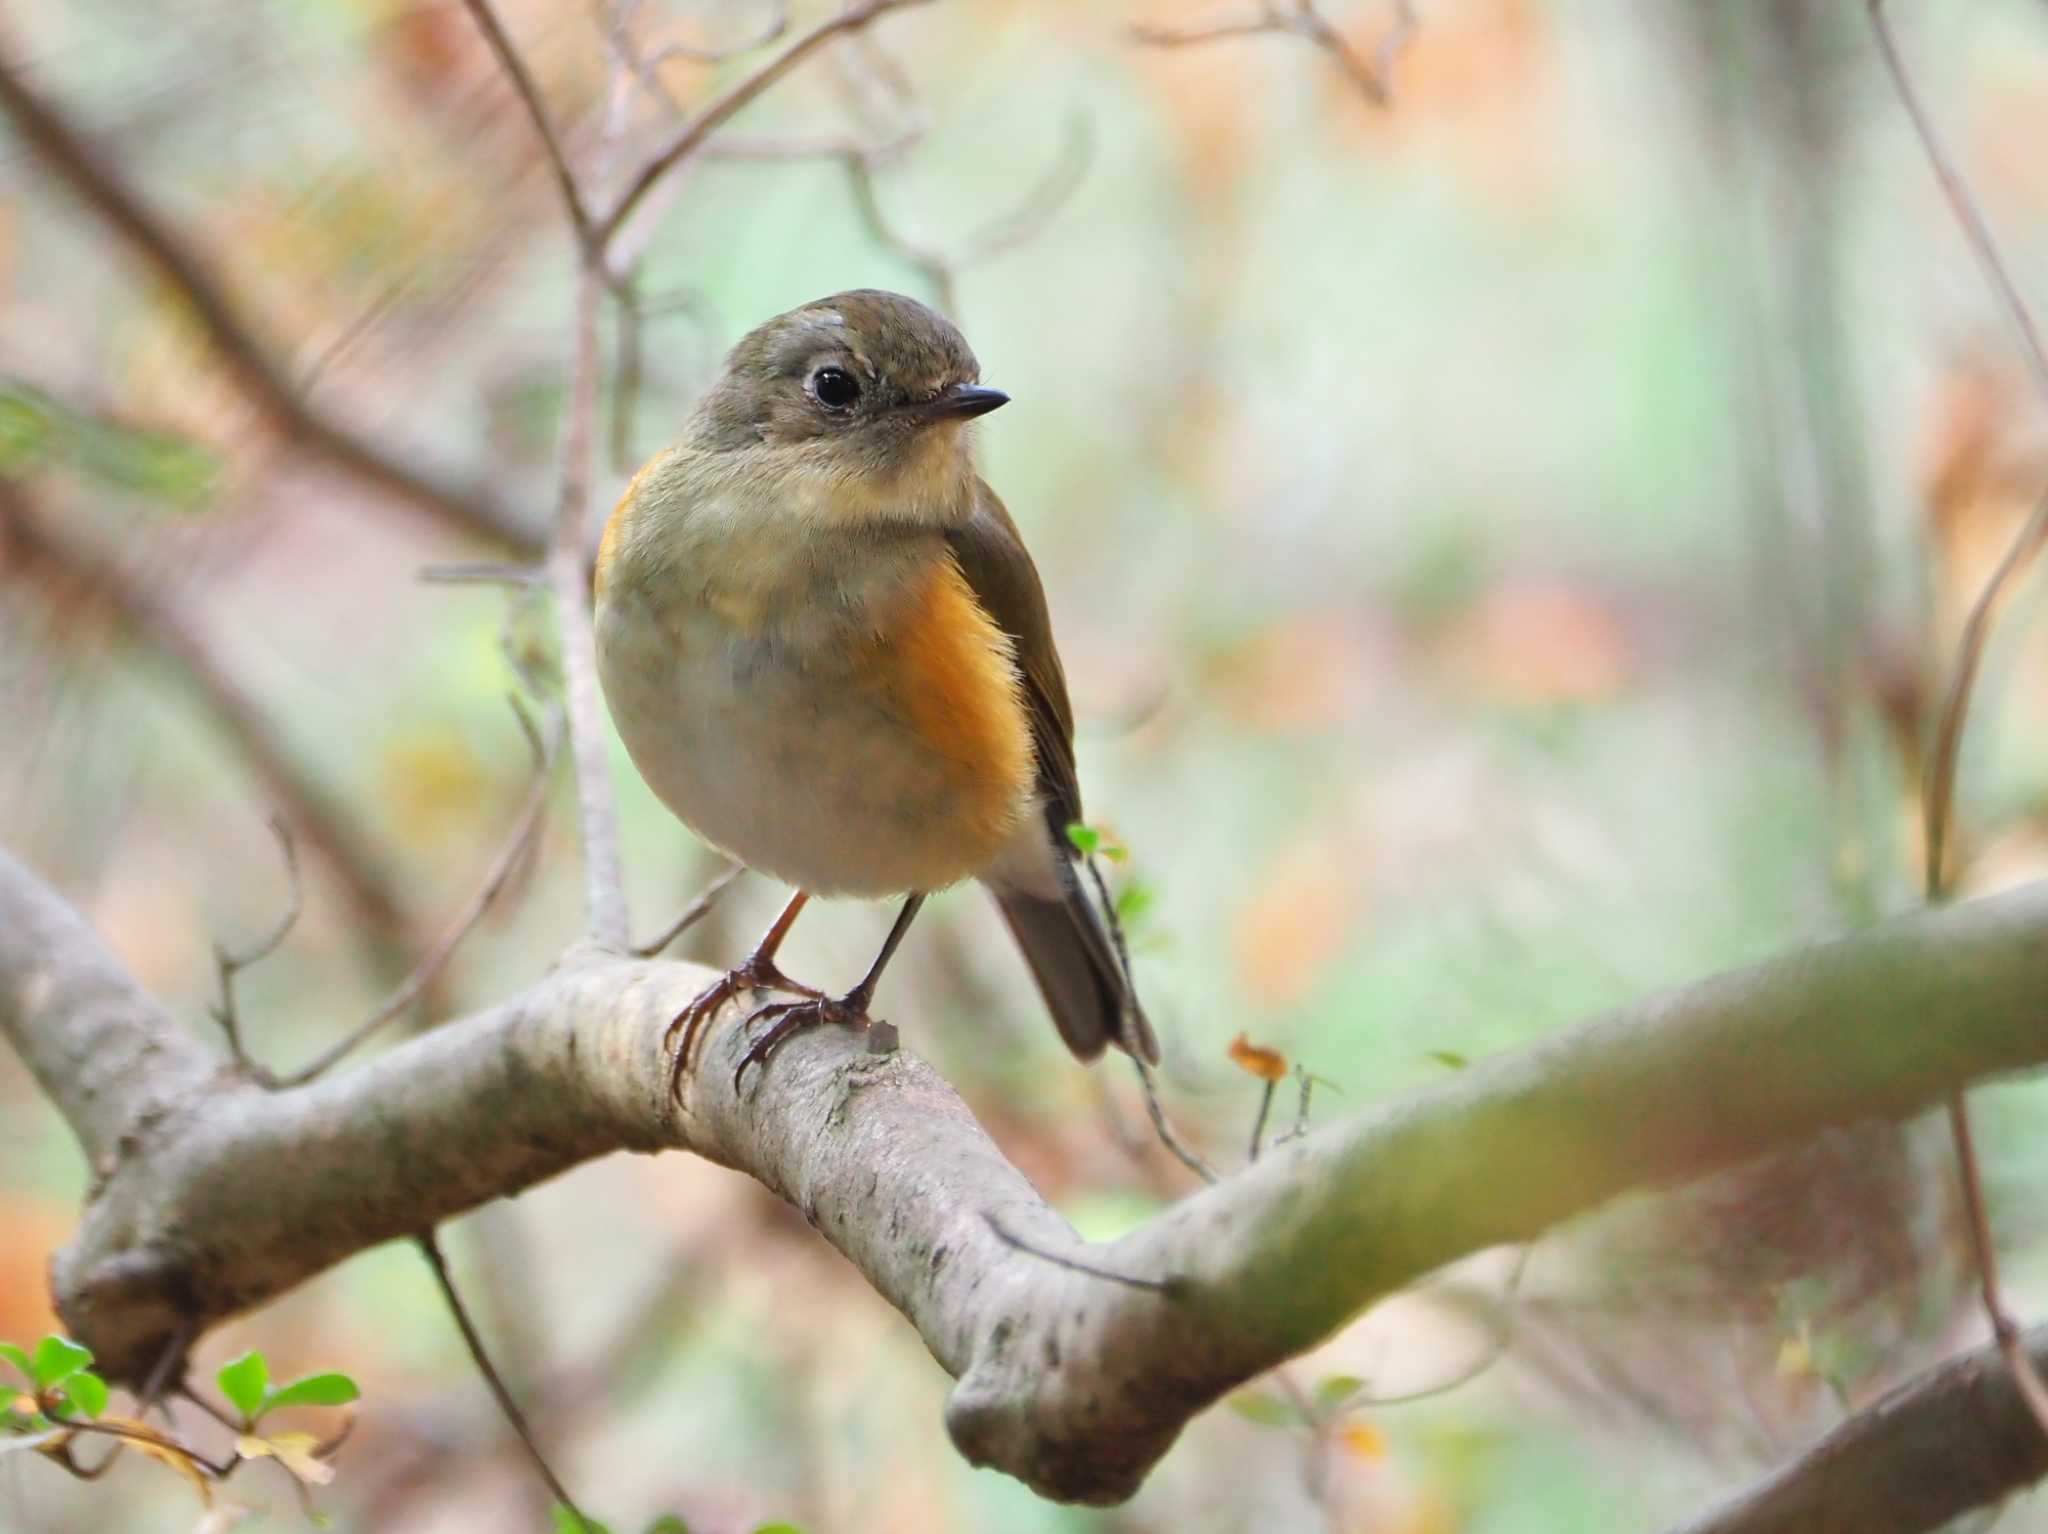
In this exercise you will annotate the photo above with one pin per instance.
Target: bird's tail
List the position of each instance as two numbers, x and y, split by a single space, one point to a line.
1076 954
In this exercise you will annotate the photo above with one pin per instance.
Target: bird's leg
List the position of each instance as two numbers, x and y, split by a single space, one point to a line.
756 972
850 1010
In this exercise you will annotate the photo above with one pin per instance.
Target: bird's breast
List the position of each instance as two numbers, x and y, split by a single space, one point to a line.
848 719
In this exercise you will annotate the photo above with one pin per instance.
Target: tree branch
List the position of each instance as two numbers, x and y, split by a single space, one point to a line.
742 92
66 155
220 1195
1959 1436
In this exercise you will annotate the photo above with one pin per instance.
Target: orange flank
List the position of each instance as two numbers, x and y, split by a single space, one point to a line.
950 672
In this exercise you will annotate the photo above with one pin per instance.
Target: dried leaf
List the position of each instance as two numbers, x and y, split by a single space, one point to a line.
1364 1440
146 1440
297 1452
1257 1060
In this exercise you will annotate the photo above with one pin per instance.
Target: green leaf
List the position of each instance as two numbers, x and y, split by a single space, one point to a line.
1267 1411
56 1360
667 1523
26 431
1086 840
86 1391
778 1528
1449 1057
567 1522
244 1381
1134 902
314 1390
1337 1389
19 1359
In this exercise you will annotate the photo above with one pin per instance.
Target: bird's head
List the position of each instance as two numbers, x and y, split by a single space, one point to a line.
863 396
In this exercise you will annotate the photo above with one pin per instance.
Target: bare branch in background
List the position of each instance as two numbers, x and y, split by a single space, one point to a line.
65 154
1939 789
1300 18
693 913
775 22
155 621
227 963
691 136
486 19
480 1356
498 874
1958 1437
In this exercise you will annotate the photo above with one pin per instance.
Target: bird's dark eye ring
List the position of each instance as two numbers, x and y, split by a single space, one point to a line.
834 388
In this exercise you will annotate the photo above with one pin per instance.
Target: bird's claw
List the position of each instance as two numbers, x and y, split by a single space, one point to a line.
685 1032
787 1018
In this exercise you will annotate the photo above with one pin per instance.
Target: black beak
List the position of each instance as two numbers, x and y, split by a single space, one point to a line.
963 402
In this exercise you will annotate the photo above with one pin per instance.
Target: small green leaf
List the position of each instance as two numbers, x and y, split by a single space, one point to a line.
1086 840
56 1360
19 1359
567 1522
1267 1411
1337 1389
1134 902
667 1523
778 1528
244 1381
1449 1057
86 1391
314 1390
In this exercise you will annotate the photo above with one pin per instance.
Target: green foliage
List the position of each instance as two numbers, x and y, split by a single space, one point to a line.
1266 1410
1337 1389
329 1389
59 1371
246 1384
37 432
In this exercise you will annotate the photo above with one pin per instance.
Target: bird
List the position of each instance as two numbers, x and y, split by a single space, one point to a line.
828 652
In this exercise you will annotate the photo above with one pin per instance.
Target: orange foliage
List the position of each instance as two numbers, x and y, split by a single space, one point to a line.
34 1229
1534 643
1296 925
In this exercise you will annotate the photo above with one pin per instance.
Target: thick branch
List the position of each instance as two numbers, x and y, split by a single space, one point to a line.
225 1195
1959 1436
67 156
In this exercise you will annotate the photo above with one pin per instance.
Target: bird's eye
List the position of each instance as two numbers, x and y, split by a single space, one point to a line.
834 388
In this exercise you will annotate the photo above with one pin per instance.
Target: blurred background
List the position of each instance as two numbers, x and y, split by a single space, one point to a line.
1505 545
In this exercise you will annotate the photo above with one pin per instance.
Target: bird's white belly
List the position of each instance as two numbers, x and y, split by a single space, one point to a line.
796 770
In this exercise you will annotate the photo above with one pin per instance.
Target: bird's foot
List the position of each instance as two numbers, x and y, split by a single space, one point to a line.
685 1033
787 1018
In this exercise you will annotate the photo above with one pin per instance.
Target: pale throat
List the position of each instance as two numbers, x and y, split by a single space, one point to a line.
930 482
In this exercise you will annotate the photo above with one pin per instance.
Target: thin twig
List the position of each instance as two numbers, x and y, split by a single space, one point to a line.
1186 1154
1374 77
1308 1084
486 19
228 963
714 116
1939 788
1259 1123
693 913
1170 1287
776 24
939 267
432 1251
498 874
93 177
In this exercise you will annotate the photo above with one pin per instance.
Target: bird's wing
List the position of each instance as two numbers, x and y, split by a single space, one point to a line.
999 571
